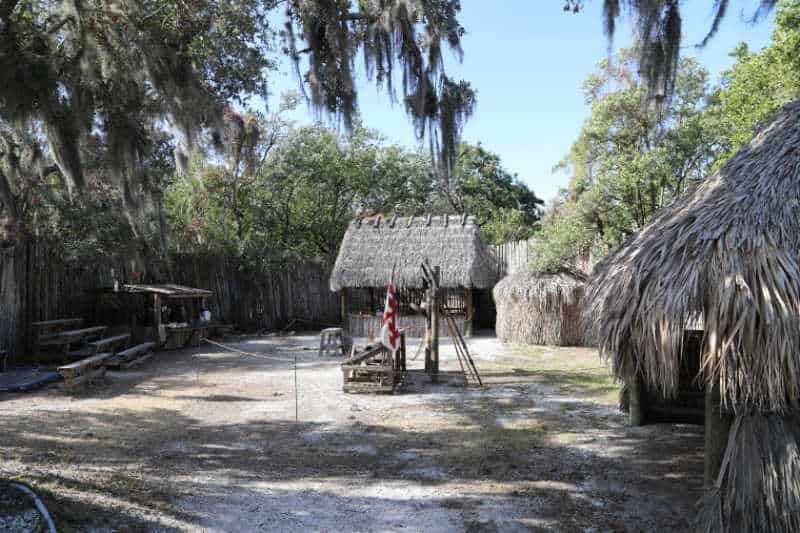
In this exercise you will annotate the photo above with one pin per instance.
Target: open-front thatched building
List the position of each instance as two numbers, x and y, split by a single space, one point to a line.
540 308
373 248
728 257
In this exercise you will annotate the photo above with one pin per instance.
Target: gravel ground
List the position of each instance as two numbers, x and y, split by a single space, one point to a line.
206 440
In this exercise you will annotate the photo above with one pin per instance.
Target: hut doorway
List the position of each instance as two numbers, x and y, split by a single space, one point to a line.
688 406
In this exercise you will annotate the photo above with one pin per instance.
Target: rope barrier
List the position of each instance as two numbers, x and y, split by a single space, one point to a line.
262 356
251 354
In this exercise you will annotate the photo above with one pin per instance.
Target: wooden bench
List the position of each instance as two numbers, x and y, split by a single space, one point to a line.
65 339
107 344
81 372
49 329
133 356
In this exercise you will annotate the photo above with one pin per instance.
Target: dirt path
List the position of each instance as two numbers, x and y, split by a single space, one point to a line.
207 440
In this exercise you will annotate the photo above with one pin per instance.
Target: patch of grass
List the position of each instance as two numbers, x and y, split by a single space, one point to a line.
575 371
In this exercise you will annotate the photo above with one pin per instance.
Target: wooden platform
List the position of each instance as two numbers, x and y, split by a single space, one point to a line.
374 370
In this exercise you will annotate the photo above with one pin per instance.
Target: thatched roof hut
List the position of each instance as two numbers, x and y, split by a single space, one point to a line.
371 248
542 309
728 253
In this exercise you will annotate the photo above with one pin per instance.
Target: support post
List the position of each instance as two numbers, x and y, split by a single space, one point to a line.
428 335
637 410
717 428
403 351
344 308
157 318
435 325
470 313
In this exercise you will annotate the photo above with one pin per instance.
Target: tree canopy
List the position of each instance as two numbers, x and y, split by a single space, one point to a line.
92 85
630 160
658 35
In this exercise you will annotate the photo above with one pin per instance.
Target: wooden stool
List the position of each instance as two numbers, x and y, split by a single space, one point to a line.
331 342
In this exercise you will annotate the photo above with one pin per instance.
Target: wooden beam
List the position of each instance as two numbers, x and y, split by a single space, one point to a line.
637 408
344 309
717 428
470 312
435 311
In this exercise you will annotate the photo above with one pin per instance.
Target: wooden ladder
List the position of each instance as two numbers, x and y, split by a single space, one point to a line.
462 352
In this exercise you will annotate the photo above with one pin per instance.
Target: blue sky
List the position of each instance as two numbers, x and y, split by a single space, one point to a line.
528 64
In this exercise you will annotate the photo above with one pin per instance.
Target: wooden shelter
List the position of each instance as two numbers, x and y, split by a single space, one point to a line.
374 248
540 309
166 314
722 261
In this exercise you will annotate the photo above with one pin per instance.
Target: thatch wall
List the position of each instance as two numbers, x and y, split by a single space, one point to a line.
372 248
540 309
729 252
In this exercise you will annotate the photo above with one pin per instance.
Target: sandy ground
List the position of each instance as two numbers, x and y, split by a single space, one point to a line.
206 440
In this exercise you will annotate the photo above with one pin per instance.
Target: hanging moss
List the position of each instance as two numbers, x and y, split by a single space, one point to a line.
327 37
94 80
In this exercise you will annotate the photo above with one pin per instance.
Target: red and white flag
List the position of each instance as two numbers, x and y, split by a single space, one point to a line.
390 337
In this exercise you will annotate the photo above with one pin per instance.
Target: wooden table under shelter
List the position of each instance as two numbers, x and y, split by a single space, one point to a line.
167 314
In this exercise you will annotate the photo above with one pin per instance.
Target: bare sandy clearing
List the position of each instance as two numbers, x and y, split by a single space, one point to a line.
206 440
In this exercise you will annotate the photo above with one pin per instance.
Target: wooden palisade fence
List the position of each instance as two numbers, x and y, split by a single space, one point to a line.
37 284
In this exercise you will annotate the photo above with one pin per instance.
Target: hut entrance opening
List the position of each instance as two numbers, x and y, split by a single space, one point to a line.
688 406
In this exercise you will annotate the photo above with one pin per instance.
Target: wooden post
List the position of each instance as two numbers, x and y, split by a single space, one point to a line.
403 351
157 317
428 303
717 428
637 409
470 313
435 325
344 310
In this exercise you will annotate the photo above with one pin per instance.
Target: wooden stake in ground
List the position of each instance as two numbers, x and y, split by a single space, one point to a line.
435 312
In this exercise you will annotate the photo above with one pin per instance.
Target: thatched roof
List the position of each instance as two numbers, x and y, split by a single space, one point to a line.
371 248
729 252
530 286
540 309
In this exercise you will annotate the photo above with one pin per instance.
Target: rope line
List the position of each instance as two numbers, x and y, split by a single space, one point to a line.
262 356
251 354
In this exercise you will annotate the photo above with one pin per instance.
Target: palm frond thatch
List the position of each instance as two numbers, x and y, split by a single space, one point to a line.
758 488
540 309
729 252
371 249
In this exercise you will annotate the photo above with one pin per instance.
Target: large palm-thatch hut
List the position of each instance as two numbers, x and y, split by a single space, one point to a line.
540 308
373 248
726 256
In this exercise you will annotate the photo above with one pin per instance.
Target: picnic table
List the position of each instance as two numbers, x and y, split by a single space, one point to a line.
45 330
62 341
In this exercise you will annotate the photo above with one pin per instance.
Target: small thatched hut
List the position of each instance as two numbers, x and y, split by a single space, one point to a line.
372 248
724 260
540 308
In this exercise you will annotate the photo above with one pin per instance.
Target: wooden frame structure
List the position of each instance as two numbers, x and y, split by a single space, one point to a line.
375 369
152 299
